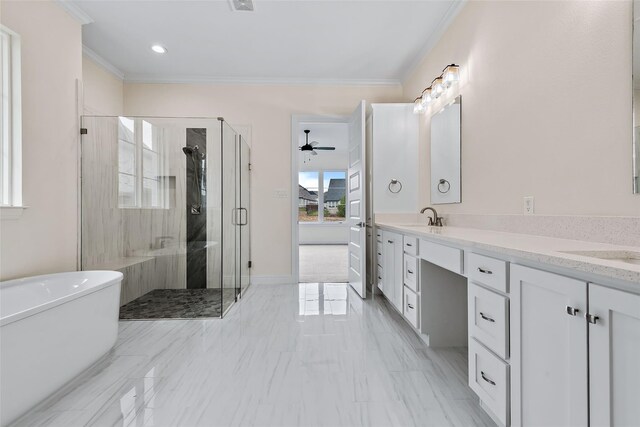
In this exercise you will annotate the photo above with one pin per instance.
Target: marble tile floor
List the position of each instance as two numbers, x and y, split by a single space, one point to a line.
323 263
178 304
286 355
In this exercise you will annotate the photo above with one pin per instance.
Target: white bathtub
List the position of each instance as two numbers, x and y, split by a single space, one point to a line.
52 327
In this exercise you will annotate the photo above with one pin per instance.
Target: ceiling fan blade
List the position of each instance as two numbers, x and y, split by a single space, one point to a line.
324 148
313 153
314 143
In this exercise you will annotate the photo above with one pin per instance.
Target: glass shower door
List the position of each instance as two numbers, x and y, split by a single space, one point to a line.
245 227
230 217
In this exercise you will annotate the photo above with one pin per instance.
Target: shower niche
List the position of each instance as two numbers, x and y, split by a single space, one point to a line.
166 202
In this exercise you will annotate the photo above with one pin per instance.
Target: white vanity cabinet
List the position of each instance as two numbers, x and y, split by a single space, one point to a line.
575 351
548 349
614 357
545 349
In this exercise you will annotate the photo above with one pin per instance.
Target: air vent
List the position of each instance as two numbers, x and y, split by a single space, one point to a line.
241 5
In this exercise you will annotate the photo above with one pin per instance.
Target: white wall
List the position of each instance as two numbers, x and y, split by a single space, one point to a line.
268 109
45 238
103 92
546 107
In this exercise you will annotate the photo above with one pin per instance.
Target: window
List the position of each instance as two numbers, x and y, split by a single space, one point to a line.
321 196
10 120
141 165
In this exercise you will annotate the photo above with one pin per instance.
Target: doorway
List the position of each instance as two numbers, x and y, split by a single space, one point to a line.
322 227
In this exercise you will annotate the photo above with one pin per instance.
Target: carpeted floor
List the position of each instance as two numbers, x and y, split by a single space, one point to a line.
324 263
177 304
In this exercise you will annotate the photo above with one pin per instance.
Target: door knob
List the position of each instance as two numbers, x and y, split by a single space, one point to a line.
361 224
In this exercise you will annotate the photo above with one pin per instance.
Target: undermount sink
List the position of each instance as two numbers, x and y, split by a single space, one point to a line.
629 257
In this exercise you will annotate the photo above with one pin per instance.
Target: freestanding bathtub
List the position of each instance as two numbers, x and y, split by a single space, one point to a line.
52 327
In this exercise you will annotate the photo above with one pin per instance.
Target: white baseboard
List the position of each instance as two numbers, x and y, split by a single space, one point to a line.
273 280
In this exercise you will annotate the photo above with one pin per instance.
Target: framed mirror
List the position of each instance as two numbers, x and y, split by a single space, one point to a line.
446 172
635 153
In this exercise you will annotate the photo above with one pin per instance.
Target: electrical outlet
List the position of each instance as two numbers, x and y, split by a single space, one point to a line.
280 194
529 206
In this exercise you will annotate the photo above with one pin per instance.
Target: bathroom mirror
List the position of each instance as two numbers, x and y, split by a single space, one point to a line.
445 154
635 155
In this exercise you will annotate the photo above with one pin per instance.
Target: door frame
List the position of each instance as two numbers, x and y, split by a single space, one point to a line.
296 120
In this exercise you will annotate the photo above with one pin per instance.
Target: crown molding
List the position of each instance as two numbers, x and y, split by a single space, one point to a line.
86 51
434 38
160 79
75 12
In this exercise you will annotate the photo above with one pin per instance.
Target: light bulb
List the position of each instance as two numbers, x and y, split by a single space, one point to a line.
426 97
418 108
437 87
451 75
158 48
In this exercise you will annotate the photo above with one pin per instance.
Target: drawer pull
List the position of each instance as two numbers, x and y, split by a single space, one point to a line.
379 254
572 311
484 377
409 244
487 318
390 241
409 271
410 306
483 271
379 278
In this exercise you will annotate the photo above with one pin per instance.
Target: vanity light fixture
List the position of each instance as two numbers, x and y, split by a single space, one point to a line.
451 74
426 97
159 49
439 85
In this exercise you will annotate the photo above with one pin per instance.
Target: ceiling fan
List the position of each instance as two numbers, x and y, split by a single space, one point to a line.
313 146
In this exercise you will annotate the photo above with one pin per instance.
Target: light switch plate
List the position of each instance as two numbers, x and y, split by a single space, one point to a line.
280 194
529 206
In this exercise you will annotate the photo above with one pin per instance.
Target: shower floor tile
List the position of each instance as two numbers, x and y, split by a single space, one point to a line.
177 304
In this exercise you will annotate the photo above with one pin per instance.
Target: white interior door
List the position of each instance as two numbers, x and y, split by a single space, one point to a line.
356 203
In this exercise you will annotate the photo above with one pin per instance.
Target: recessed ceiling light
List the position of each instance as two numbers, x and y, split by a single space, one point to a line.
158 48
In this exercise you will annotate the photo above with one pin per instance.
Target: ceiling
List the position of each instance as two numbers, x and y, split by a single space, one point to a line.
304 41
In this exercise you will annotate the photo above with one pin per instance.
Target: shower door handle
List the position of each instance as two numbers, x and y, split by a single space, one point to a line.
246 216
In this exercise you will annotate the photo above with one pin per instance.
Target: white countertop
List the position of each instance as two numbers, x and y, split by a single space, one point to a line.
540 249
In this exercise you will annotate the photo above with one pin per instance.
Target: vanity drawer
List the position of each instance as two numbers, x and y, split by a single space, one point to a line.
489 379
489 319
410 309
441 255
488 271
411 272
410 245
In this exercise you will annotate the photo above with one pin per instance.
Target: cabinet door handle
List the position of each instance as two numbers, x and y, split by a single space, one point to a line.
487 318
390 241
592 318
409 271
409 244
410 306
572 311
379 254
483 271
484 377
379 278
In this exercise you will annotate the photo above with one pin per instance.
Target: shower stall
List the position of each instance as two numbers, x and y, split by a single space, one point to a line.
166 202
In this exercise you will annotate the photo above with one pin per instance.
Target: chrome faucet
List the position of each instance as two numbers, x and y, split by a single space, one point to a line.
436 221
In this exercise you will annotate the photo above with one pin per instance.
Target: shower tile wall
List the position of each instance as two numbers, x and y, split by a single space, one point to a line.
196 222
146 245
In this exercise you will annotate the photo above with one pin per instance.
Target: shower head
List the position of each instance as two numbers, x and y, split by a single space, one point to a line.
190 151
